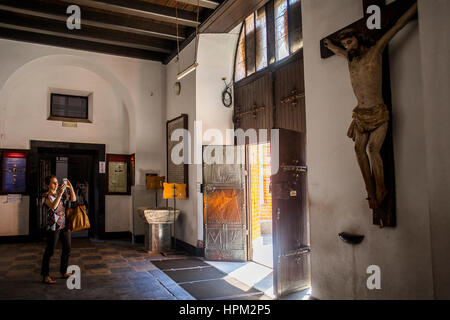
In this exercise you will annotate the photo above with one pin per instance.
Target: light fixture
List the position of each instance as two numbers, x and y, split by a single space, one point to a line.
184 73
193 66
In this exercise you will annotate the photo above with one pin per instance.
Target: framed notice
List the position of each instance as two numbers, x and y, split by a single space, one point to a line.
118 174
177 166
14 171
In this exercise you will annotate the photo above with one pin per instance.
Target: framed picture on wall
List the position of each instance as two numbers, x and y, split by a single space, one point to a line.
118 174
177 172
13 171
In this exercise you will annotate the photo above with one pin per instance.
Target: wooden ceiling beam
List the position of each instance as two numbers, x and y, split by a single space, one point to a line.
202 3
141 9
78 44
93 34
57 11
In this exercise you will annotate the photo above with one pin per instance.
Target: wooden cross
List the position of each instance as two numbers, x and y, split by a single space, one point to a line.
385 215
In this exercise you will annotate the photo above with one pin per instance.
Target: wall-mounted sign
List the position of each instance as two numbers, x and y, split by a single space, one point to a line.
14 172
14 198
118 174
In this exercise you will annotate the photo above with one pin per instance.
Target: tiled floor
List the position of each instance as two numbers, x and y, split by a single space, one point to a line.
109 270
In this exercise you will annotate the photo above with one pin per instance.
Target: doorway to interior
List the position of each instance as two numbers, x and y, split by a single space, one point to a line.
75 167
80 164
260 204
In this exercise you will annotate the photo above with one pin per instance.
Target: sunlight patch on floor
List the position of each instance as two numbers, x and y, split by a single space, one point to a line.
250 273
257 276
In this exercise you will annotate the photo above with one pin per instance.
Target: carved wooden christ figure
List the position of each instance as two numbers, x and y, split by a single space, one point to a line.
371 116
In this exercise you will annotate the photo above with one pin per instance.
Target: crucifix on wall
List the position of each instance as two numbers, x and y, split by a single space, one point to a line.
364 49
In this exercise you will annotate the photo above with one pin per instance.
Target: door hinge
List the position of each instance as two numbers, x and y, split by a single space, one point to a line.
294 168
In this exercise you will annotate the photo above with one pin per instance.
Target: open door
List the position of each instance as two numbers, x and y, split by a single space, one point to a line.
291 246
224 216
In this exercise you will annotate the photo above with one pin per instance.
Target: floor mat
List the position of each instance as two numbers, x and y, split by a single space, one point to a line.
219 289
198 274
205 282
180 264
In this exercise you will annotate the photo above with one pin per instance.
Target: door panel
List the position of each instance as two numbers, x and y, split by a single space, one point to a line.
46 165
224 205
290 220
289 101
80 171
253 104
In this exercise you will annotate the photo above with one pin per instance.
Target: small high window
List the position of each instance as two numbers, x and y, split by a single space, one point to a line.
66 106
70 105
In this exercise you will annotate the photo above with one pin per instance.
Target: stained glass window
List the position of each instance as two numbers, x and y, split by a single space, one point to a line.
281 29
295 25
261 39
255 39
250 36
240 57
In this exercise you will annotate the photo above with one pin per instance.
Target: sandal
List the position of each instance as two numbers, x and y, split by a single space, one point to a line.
48 280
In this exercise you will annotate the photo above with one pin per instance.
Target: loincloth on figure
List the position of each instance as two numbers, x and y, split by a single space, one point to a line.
368 119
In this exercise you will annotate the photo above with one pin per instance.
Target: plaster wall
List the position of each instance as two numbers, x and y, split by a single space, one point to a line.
434 27
185 103
128 99
336 189
200 98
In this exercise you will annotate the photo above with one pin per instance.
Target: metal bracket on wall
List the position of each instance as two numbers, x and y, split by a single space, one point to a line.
293 98
253 111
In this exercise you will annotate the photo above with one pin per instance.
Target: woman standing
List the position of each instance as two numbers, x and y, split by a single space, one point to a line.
54 201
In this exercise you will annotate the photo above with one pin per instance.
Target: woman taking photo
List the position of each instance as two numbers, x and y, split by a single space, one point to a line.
54 203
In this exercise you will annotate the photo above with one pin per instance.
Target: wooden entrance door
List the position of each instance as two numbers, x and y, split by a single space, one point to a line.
272 98
275 98
291 246
225 232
